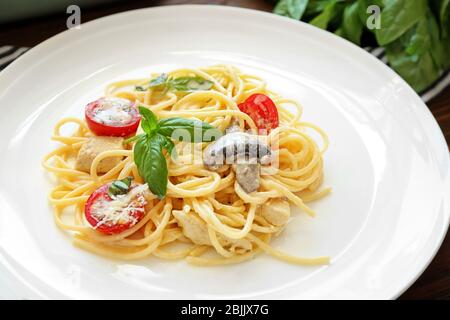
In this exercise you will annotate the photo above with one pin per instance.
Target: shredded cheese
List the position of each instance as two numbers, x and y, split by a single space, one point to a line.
113 111
120 210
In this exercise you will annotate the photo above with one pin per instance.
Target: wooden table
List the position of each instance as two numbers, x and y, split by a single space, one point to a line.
434 282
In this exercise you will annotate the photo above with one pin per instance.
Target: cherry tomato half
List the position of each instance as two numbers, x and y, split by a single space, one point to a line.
262 110
112 117
99 203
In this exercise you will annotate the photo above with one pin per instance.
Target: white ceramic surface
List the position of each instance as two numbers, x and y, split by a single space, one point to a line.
388 161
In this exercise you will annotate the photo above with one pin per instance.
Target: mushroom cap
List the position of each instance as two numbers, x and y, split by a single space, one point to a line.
237 148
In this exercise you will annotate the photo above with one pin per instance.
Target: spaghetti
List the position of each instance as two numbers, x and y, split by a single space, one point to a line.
229 222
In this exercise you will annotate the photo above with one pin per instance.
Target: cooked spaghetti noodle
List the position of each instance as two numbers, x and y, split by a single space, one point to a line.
231 219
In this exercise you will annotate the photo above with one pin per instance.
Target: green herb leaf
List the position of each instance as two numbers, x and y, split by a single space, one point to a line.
151 164
134 138
189 84
158 81
118 187
188 130
315 7
291 8
351 24
322 20
167 144
281 8
184 84
444 18
397 17
149 122
417 55
438 43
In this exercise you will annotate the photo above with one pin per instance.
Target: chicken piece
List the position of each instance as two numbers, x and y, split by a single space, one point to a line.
196 230
248 176
193 227
92 148
276 211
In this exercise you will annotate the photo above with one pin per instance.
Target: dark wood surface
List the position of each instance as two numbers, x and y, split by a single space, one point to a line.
434 283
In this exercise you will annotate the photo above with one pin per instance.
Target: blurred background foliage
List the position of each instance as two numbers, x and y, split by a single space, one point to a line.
414 33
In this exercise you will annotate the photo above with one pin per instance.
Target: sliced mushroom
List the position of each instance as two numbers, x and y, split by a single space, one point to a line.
245 151
237 147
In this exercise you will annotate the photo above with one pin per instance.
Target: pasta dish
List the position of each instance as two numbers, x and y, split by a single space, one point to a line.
196 164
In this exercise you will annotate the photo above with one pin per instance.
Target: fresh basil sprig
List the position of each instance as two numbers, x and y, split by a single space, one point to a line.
183 84
195 130
119 187
148 150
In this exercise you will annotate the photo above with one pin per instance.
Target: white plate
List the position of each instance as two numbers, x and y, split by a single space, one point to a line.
388 161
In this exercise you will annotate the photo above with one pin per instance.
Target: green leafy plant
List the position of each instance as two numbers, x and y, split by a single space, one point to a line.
148 150
414 33
183 84
119 187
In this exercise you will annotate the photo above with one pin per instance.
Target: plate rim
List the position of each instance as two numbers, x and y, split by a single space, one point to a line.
430 122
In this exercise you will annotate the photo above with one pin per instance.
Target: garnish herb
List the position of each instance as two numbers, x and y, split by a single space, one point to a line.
415 34
182 84
148 150
119 187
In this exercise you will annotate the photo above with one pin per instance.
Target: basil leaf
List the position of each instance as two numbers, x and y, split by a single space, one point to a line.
134 138
291 8
119 187
140 149
438 50
351 24
189 84
158 81
417 39
315 7
281 8
397 17
417 67
149 122
340 32
151 164
188 130
322 20
444 18
167 144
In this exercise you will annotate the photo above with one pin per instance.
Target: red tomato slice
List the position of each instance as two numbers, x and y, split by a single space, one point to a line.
99 201
112 117
262 110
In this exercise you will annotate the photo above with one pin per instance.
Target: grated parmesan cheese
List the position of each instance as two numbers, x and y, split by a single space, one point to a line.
120 209
114 112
